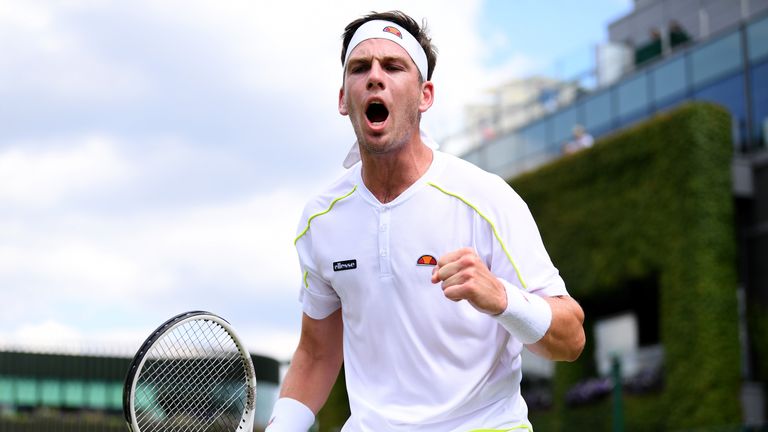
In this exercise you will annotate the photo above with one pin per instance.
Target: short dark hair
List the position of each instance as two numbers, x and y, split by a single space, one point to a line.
404 21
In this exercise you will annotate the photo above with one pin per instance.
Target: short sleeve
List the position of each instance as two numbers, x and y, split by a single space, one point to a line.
317 296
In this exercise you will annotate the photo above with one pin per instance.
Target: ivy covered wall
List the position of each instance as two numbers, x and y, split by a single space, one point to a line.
651 203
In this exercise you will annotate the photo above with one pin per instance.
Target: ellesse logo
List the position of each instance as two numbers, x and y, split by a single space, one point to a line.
426 260
344 265
394 31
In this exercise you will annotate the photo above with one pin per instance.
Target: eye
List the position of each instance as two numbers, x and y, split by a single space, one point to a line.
358 68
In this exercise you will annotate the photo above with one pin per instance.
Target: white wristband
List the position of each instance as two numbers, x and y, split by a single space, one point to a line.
290 415
527 316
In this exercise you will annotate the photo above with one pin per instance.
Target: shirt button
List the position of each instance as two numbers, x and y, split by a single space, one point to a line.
383 227
383 252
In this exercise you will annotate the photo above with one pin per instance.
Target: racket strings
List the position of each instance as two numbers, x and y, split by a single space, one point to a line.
197 368
194 379
204 398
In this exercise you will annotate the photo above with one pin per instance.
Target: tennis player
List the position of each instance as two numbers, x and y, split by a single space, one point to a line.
424 274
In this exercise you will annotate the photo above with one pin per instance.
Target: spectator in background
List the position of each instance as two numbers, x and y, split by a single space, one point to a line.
677 34
581 140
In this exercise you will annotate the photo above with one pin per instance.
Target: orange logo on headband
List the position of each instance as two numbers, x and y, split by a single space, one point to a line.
394 31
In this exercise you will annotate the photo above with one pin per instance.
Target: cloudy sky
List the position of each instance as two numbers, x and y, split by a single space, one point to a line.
155 154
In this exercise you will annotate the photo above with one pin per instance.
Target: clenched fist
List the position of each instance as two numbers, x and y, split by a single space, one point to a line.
465 276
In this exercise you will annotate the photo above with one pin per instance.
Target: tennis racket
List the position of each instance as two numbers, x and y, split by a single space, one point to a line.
192 374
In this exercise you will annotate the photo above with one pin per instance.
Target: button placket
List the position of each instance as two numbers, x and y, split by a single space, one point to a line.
384 250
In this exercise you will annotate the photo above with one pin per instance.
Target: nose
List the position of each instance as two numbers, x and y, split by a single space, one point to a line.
375 76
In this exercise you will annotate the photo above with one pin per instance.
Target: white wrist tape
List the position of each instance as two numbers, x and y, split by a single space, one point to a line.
290 415
527 316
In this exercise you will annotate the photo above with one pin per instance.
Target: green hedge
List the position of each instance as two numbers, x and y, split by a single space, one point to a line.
336 409
653 202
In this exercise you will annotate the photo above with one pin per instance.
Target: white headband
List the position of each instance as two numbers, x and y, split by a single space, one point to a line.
379 29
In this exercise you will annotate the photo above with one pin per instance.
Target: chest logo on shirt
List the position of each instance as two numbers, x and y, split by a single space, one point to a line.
344 265
426 260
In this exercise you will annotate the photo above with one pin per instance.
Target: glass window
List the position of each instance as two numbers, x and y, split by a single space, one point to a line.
757 39
503 151
97 395
115 393
631 119
670 103
760 104
669 80
597 112
474 157
74 395
6 394
633 96
535 137
729 93
716 58
563 123
50 392
26 392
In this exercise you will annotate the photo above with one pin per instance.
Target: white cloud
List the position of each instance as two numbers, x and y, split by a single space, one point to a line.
240 245
48 176
44 54
47 333
276 342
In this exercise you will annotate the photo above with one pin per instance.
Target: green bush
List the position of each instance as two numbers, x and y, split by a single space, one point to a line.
652 202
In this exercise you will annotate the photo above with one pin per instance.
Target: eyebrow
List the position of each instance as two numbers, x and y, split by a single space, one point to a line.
385 59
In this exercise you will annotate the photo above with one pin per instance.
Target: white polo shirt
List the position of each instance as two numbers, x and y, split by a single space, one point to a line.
414 360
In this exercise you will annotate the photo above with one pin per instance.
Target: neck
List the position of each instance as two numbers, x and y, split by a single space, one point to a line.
389 174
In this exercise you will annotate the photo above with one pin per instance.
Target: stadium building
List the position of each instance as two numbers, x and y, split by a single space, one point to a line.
47 391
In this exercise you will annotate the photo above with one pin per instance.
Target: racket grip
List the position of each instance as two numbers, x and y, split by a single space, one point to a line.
290 415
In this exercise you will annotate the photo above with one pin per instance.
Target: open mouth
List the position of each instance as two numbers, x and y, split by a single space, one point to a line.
376 112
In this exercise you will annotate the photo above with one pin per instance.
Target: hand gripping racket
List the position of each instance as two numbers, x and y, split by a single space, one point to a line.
192 374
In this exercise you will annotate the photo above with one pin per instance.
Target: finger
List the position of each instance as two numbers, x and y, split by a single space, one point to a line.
434 278
456 292
454 255
449 270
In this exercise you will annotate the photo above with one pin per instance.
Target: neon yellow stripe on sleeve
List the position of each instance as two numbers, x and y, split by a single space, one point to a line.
493 228
309 221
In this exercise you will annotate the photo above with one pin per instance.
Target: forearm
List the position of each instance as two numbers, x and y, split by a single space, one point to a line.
564 340
310 378
316 362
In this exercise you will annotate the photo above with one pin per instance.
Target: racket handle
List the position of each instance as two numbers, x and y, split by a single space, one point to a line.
290 415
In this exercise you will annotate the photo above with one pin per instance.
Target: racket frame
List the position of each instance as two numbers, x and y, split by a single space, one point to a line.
129 387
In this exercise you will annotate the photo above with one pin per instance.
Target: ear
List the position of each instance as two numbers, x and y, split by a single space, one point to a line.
342 104
427 96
